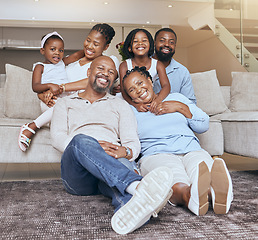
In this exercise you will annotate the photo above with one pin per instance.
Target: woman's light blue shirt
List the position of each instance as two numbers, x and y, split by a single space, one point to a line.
171 132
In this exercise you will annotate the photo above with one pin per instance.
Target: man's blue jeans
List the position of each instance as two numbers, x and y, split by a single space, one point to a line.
86 169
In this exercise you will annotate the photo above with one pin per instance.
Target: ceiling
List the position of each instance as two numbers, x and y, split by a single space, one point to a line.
78 13
157 13
85 13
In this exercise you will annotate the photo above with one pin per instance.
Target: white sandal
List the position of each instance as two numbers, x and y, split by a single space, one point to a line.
24 139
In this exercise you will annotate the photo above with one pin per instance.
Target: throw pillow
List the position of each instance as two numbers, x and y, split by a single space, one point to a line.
208 93
244 91
20 101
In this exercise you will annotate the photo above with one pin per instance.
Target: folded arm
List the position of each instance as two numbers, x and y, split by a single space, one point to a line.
197 119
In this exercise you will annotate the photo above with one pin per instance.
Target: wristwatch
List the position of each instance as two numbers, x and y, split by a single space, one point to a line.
128 152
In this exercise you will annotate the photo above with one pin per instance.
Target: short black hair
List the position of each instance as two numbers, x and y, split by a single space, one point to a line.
106 30
51 37
142 70
129 40
165 30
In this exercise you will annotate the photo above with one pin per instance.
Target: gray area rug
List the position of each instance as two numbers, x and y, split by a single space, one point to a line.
43 210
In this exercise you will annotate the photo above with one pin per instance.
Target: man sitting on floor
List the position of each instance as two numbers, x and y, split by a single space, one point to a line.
97 134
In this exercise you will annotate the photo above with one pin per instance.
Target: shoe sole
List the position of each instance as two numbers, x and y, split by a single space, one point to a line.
150 197
220 185
203 188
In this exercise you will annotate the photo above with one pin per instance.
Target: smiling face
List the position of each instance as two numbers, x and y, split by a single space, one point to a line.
165 46
102 74
140 44
94 45
139 88
53 50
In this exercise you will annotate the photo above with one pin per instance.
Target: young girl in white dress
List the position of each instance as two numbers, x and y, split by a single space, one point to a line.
139 47
51 78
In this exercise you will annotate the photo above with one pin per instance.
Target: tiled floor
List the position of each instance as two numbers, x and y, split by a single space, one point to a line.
239 163
29 171
26 171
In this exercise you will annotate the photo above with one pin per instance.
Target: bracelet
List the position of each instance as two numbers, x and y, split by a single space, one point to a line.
128 152
63 87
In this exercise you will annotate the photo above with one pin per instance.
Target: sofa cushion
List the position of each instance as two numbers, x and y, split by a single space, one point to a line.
20 101
1 102
244 91
239 117
40 150
240 133
2 80
208 93
225 90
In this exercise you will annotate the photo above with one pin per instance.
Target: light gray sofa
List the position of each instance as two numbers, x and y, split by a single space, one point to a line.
232 132
19 105
233 112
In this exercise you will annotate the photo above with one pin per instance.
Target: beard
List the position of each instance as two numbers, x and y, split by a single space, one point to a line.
98 88
164 57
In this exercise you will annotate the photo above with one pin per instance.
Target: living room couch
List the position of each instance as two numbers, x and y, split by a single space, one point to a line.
233 128
233 112
19 105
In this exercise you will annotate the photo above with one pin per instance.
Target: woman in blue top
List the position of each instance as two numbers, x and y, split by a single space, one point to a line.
167 139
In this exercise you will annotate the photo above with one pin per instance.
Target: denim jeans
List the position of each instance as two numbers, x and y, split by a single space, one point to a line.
86 169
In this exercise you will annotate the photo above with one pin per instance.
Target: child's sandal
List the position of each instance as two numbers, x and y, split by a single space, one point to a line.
22 139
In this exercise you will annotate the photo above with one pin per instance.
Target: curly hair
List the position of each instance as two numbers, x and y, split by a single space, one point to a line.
141 70
129 41
106 30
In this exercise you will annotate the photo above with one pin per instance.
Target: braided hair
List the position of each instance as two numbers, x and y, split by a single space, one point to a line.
129 41
142 70
106 30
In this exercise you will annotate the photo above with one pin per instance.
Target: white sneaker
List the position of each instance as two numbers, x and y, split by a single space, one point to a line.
198 202
150 197
221 187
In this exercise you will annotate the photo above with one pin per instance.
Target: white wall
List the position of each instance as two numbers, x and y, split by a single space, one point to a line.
212 54
203 56
26 58
21 58
11 38
181 56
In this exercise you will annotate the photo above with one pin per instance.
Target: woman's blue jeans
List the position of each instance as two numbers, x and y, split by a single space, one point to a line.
86 169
